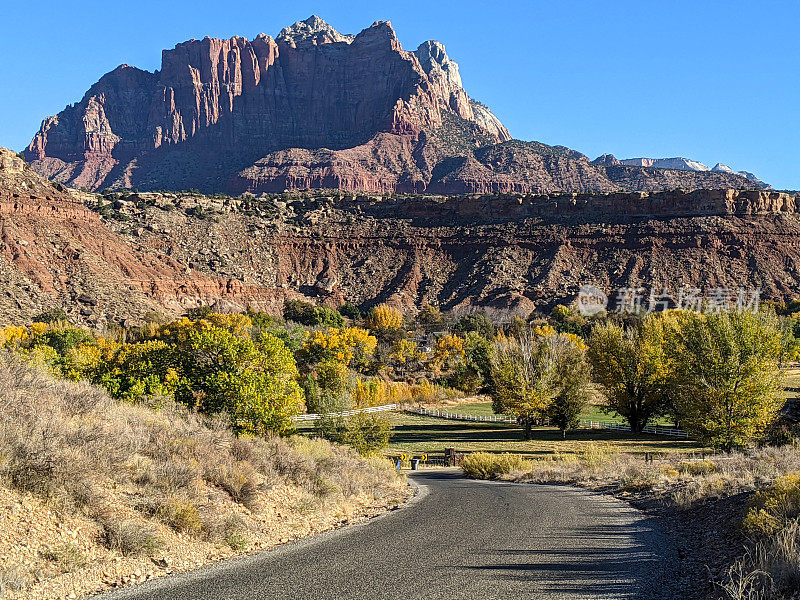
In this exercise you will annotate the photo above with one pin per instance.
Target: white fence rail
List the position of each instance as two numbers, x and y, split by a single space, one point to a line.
669 431
346 413
443 414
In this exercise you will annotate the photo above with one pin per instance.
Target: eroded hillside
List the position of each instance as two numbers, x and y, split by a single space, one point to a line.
116 257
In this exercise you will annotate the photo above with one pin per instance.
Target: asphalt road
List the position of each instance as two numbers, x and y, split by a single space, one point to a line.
458 539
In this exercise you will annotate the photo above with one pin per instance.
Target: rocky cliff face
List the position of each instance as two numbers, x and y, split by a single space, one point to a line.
115 257
512 253
311 108
311 87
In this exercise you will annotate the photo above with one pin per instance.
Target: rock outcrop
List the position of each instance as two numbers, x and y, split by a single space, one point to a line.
312 108
511 253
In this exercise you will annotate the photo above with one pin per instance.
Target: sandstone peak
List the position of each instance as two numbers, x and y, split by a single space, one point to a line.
313 108
313 31
434 60
608 160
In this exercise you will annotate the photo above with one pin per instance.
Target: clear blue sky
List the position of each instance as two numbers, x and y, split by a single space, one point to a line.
713 81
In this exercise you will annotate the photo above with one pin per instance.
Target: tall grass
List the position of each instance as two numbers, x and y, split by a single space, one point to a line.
769 570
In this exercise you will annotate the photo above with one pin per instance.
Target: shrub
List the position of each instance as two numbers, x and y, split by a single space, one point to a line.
181 514
639 482
368 433
238 480
485 465
595 456
54 315
237 541
12 579
233 531
697 467
67 557
131 538
774 507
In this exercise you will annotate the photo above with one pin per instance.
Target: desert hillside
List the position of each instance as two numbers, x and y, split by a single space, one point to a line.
97 493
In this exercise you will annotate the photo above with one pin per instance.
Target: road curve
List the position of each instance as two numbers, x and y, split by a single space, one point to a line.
459 539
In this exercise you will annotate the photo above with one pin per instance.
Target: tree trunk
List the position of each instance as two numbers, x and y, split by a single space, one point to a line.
633 421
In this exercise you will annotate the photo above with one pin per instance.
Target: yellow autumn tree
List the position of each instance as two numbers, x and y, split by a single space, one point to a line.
385 318
404 350
351 346
633 368
448 350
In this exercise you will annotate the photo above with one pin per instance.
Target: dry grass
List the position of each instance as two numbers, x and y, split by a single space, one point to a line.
65 557
484 465
12 578
769 570
675 477
133 470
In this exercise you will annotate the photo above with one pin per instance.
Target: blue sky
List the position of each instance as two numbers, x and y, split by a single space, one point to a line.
712 81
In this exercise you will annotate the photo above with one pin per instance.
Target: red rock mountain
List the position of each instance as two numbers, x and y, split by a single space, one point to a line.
313 108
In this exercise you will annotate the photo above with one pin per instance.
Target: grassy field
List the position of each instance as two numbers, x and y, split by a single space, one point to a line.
590 413
417 435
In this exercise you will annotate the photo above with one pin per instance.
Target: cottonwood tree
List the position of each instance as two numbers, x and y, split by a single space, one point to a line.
633 368
537 376
728 377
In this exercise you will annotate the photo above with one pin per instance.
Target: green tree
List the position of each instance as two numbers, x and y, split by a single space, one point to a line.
477 321
311 315
132 371
63 339
54 315
254 383
367 433
539 375
349 310
728 377
566 320
473 372
633 368
430 317
573 380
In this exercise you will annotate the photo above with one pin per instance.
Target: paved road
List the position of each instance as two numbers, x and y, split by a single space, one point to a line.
458 539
